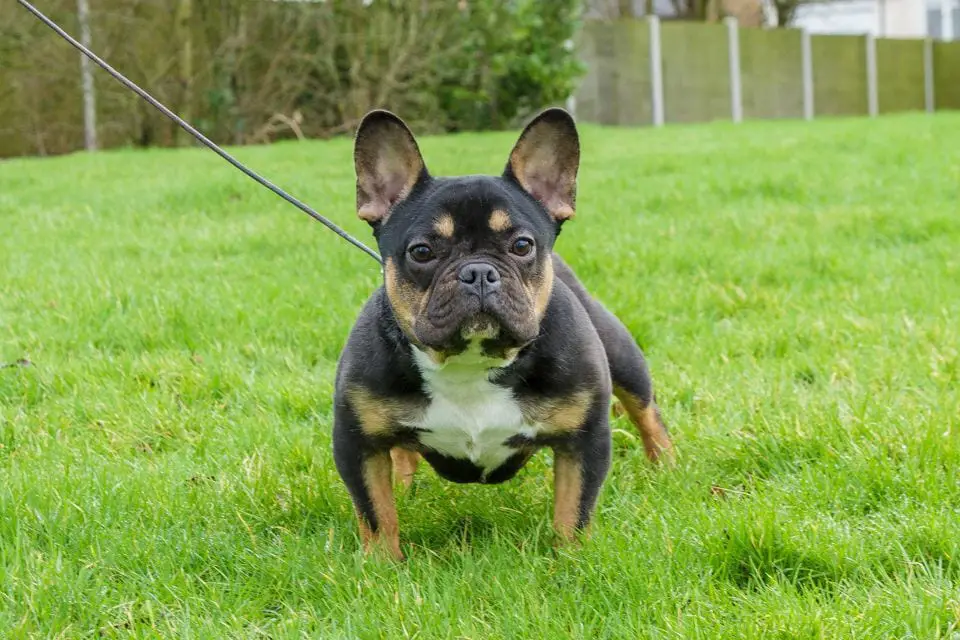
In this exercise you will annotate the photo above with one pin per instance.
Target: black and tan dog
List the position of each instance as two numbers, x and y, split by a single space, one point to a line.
481 347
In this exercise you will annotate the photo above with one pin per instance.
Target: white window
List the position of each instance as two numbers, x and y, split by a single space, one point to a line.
935 20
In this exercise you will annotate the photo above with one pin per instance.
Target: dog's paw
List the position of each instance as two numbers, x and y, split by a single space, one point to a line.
382 548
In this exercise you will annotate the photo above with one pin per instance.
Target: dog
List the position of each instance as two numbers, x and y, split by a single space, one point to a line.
481 346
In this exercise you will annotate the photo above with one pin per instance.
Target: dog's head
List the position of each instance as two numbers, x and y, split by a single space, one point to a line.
467 260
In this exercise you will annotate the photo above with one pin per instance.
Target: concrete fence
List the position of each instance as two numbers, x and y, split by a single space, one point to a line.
647 72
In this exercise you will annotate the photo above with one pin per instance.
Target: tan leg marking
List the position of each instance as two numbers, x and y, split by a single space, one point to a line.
567 484
374 414
379 416
656 440
377 477
617 409
560 414
404 465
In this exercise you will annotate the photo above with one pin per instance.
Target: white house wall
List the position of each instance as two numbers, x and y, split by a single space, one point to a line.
887 18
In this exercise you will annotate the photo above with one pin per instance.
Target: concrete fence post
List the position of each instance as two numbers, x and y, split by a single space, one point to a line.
656 72
946 20
873 106
806 63
929 99
733 55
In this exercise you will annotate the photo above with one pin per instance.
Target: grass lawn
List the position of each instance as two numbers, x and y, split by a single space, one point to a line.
165 462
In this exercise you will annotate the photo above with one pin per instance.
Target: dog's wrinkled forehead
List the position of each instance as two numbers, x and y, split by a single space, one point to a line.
467 210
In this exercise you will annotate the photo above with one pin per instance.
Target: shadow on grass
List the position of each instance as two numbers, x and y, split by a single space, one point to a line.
752 556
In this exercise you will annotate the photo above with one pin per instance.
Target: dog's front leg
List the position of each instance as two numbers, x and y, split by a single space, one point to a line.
366 470
580 466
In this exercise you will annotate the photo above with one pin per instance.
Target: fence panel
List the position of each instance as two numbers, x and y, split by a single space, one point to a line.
946 74
771 66
696 73
587 95
839 75
616 88
632 41
900 75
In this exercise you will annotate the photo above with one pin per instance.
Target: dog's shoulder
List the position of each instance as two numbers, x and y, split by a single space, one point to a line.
377 355
568 354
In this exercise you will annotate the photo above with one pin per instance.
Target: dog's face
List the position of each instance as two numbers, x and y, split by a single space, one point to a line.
467 260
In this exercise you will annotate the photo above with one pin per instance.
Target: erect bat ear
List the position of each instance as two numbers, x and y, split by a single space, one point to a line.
388 164
545 161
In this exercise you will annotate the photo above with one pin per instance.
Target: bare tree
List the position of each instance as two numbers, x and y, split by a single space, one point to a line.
184 35
785 11
86 75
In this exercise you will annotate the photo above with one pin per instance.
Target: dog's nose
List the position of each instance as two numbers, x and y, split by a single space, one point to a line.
480 278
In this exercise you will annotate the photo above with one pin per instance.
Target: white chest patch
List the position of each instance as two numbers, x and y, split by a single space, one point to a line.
469 417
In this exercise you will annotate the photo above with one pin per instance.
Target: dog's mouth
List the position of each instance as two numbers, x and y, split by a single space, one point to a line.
480 327
488 330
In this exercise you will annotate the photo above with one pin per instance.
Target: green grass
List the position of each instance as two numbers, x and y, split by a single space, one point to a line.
165 463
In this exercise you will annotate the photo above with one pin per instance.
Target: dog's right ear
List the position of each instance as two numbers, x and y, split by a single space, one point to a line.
388 165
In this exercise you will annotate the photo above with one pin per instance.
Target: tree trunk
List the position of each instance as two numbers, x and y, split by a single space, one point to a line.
86 80
184 37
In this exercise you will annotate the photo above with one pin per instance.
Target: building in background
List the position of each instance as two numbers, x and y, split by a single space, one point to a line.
882 18
749 13
935 21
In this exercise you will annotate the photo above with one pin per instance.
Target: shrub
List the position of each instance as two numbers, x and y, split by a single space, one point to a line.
251 71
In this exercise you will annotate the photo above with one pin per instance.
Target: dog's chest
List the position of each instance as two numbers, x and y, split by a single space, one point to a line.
468 417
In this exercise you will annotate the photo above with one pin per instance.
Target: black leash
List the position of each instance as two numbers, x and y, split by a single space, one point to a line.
199 136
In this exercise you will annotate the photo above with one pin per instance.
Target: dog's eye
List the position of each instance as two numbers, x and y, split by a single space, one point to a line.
421 253
522 246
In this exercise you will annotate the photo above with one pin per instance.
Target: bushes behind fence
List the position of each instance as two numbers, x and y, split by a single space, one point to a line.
250 71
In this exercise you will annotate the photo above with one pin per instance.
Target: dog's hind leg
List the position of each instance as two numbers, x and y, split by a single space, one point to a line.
628 369
633 387
646 417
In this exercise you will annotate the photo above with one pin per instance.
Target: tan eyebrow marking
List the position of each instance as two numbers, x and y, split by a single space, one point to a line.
499 220
444 225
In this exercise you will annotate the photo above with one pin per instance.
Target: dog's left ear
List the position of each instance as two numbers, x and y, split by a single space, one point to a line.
545 161
388 165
